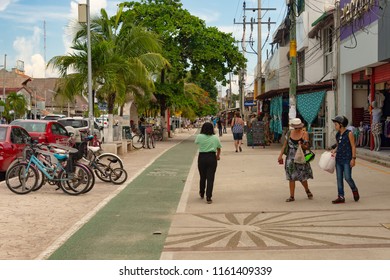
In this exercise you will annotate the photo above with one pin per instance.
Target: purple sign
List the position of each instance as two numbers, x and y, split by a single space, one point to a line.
356 14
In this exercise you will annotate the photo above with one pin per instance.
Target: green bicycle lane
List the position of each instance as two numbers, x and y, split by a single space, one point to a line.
135 223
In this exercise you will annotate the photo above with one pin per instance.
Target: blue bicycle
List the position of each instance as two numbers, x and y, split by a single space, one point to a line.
73 178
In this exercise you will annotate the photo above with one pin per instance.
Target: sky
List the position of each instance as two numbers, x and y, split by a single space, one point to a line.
22 31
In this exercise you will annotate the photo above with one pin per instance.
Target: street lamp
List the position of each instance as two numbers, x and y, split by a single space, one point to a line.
5 69
84 10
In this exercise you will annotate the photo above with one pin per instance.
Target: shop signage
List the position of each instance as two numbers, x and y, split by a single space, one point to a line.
355 9
249 103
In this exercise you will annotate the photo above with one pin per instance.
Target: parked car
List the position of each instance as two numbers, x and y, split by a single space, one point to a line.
53 117
102 121
79 126
13 139
45 131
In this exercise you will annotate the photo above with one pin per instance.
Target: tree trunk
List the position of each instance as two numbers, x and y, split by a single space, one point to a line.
163 106
110 109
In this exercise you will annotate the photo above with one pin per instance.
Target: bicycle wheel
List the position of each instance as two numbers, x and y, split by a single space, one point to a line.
76 182
111 160
20 179
41 180
92 183
103 172
137 141
118 176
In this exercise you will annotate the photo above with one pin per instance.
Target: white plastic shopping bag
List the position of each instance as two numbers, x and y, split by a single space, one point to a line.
327 162
299 156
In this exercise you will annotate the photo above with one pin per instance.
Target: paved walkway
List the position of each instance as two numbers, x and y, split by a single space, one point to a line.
249 218
32 226
159 214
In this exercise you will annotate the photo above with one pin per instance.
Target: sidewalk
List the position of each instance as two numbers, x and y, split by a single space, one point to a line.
32 226
249 218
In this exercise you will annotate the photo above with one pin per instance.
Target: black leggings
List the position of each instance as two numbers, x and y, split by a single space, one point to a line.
207 165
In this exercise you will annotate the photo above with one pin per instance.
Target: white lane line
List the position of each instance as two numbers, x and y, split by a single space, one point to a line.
187 187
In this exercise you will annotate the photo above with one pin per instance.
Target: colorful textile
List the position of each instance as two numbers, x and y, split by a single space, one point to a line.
309 105
276 115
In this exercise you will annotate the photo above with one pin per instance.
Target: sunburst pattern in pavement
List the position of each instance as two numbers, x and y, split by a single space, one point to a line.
272 231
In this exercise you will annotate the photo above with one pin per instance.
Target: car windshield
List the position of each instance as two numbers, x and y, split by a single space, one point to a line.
52 117
3 133
74 123
32 126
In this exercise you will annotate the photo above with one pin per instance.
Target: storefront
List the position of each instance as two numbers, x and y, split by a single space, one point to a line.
313 102
371 107
364 83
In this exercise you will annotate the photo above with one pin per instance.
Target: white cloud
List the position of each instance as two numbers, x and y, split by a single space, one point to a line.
28 48
68 35
4 4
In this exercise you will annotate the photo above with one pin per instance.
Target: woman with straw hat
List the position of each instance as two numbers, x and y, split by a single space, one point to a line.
296 172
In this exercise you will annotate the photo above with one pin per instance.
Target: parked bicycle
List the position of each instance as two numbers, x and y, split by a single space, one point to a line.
23 177
146 140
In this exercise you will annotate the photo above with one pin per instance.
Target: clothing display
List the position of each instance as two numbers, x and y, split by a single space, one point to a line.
377 128
387 128
366 117
376 115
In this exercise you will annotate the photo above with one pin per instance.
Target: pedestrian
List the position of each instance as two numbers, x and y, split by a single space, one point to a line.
238 131
294 171
345 150
209 154
223 120
219 125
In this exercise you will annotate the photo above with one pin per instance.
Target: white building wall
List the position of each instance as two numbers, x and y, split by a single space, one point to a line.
314 51
351 58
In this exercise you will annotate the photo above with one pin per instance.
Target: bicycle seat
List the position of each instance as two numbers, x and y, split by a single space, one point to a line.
61 157
59 151
94 149
112 160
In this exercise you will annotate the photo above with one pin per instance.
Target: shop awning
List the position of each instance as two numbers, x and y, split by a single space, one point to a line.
300 90
324 20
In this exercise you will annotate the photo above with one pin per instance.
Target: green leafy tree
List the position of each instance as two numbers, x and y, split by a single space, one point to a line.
17 103
124 58
205 53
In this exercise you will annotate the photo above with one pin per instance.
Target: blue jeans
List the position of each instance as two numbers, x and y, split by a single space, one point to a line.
344 171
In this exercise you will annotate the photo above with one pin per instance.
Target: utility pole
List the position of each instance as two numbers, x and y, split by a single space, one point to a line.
259 63
259 41
338 76
5 70
293 61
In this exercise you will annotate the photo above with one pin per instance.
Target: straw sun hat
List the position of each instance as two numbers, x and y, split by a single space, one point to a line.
296 123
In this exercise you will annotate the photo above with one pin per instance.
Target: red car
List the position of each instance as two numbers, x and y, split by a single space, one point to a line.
45 131
13 139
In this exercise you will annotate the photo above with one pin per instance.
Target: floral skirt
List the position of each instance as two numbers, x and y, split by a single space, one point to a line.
298 172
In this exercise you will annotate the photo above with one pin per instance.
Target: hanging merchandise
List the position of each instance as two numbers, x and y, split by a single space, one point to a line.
387 128
309 105
276 115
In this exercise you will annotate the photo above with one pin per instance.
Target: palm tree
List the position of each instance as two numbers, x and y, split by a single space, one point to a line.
17 103
124 58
